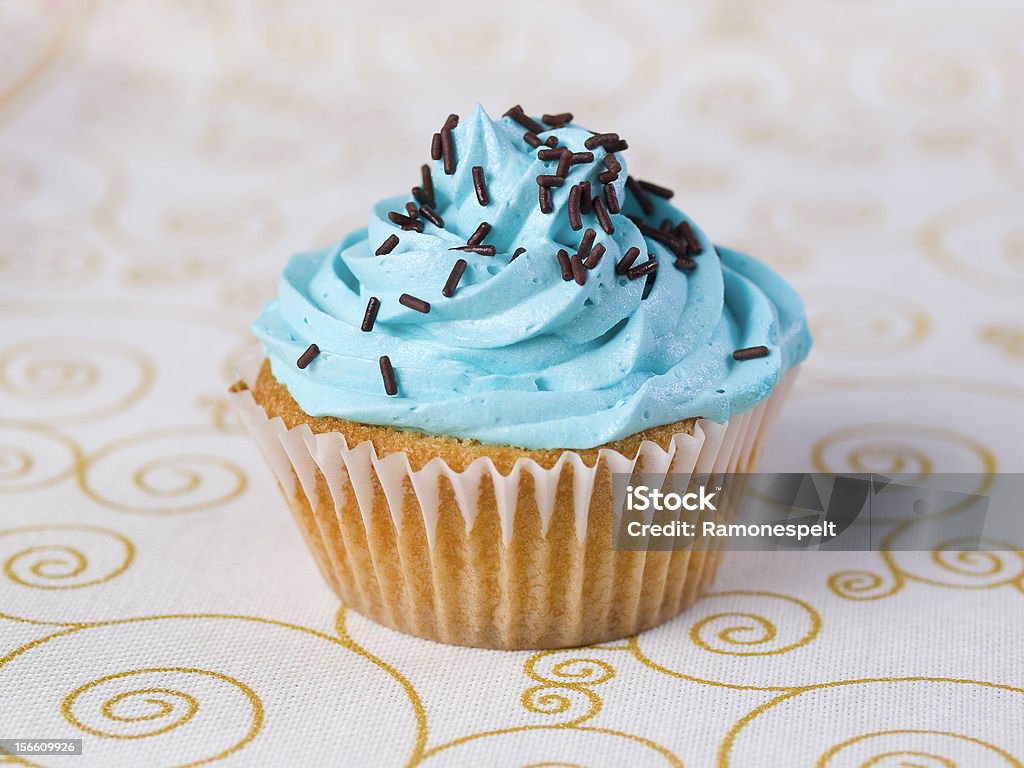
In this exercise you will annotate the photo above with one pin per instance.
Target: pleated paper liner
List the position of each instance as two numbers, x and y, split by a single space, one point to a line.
478 558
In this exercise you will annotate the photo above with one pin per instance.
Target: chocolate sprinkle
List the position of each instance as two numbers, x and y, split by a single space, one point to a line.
586 243
581 157
557 121
519 252
574 207
453 278
612 164
690 236
544 199
607 177
451 122
666 225
563 162
413 303
370 316
431 215
750 353
479 234
551 141
685 263
639 271
585 206
419 195
428 184
648 285
602 215
517 114
640 194
448 151
616 146
435 147
549 180
412 210
579 274
594 257
565 264
600 140
611 200
627 260
480 186
532 139
673 243
483 250
405 222
387 246
656 189
387 373
307 357
550 154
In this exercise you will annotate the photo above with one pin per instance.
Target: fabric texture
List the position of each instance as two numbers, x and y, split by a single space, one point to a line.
160 161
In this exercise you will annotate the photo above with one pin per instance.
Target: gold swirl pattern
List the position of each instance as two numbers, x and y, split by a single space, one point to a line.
937 78
953 565
874 324
46 254
866 585
908 448
742 632
1008 338
64 565
735 631
938 705
729 88
905 448
75 379
142 702
34 456
969 751
223 416
990 226
163 708
567 677
997 565
170 473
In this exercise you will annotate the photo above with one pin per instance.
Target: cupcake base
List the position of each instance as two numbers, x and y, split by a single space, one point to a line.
494 548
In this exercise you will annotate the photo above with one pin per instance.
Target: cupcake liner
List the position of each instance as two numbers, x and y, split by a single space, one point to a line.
477 557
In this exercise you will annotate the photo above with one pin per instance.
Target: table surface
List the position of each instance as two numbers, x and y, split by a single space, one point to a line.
159 161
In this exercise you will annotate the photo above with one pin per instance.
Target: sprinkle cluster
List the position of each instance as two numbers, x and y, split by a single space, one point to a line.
583 201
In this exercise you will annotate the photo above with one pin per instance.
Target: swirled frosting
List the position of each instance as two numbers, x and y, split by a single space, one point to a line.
518 355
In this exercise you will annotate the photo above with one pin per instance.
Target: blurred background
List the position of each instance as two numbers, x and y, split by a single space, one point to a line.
871 151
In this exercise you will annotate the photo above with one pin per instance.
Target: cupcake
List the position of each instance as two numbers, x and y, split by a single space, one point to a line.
445 394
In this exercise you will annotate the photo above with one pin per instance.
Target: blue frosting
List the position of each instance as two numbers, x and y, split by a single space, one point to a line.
519 356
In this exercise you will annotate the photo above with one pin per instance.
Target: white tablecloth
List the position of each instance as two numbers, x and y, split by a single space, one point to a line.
158 163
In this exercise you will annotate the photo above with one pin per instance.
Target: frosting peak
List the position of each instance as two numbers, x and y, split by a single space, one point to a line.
533 348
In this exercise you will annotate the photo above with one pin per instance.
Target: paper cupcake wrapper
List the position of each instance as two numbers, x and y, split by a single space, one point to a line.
475 557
